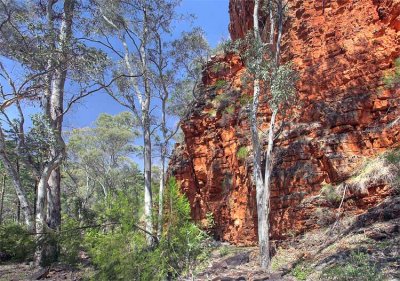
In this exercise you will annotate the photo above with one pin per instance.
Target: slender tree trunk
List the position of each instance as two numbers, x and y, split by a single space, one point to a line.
54 201
279 35
262 218
18 211
164 146
161 195
12 173
148 200
41 225
3 190
272 23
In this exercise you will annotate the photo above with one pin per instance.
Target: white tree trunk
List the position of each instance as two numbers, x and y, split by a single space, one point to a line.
14 175
148 200
3 190
161 196
262 218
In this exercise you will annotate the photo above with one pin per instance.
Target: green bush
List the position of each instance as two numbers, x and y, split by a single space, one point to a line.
330 193
70 241
242 153
16 242
357 268
393 156
220 83
245 100
229 109
392 79
121 253
301 271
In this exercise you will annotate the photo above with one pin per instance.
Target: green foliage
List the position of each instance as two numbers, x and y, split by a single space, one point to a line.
230 109
16 242
99 167
210 220
223 251
279 79
330 193
222 101
245 100
283 86
212 112
70 241
358 267
217 67
119 251
224 47
301 271
393 156
220 83
242 153
392 79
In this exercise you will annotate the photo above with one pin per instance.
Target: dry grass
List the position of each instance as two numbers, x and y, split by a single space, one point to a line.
384 168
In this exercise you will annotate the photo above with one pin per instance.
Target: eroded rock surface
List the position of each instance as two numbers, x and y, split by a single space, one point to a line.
343 115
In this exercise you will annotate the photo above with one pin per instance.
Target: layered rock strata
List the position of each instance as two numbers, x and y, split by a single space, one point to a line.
344 114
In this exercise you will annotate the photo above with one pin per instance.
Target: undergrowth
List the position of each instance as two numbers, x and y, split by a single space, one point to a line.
358 267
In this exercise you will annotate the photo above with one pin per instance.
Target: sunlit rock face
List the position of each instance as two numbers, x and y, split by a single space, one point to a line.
341 51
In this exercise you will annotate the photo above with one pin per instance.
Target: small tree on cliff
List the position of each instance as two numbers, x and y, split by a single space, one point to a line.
278 82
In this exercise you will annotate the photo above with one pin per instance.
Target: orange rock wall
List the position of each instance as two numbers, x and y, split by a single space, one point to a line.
342 116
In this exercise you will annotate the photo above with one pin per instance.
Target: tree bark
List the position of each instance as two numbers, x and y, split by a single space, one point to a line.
3 189
262 218
19 189
161 196
56 113
148 200
53 215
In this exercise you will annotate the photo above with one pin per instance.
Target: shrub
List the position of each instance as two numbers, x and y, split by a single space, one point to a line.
16 242
220 83
229 109
301 271
393 157
212 113
218 67
223 251
330 193
392 78
242 153
123 254
357 268
210 220
223 47
381 168
245 100
324 216
69 241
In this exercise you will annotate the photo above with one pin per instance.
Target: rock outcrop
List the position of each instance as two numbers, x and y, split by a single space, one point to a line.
342 50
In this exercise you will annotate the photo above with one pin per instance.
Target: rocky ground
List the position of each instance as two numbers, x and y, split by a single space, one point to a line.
364 248
56 272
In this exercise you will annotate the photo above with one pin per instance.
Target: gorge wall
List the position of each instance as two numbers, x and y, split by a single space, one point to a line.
343 115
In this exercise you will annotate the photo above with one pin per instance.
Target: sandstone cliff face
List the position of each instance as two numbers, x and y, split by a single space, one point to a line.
343 115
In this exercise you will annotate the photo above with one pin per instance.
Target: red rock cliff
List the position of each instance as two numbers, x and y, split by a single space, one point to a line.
341 52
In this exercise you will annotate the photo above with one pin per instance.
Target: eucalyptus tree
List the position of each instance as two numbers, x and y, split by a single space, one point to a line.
276 82
99 164
137 34
39 55
177 77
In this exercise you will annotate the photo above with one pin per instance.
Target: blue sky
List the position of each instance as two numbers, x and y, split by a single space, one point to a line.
211 15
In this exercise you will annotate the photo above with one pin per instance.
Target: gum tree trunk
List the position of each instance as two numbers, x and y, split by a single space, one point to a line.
21 194
261 193
3 190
